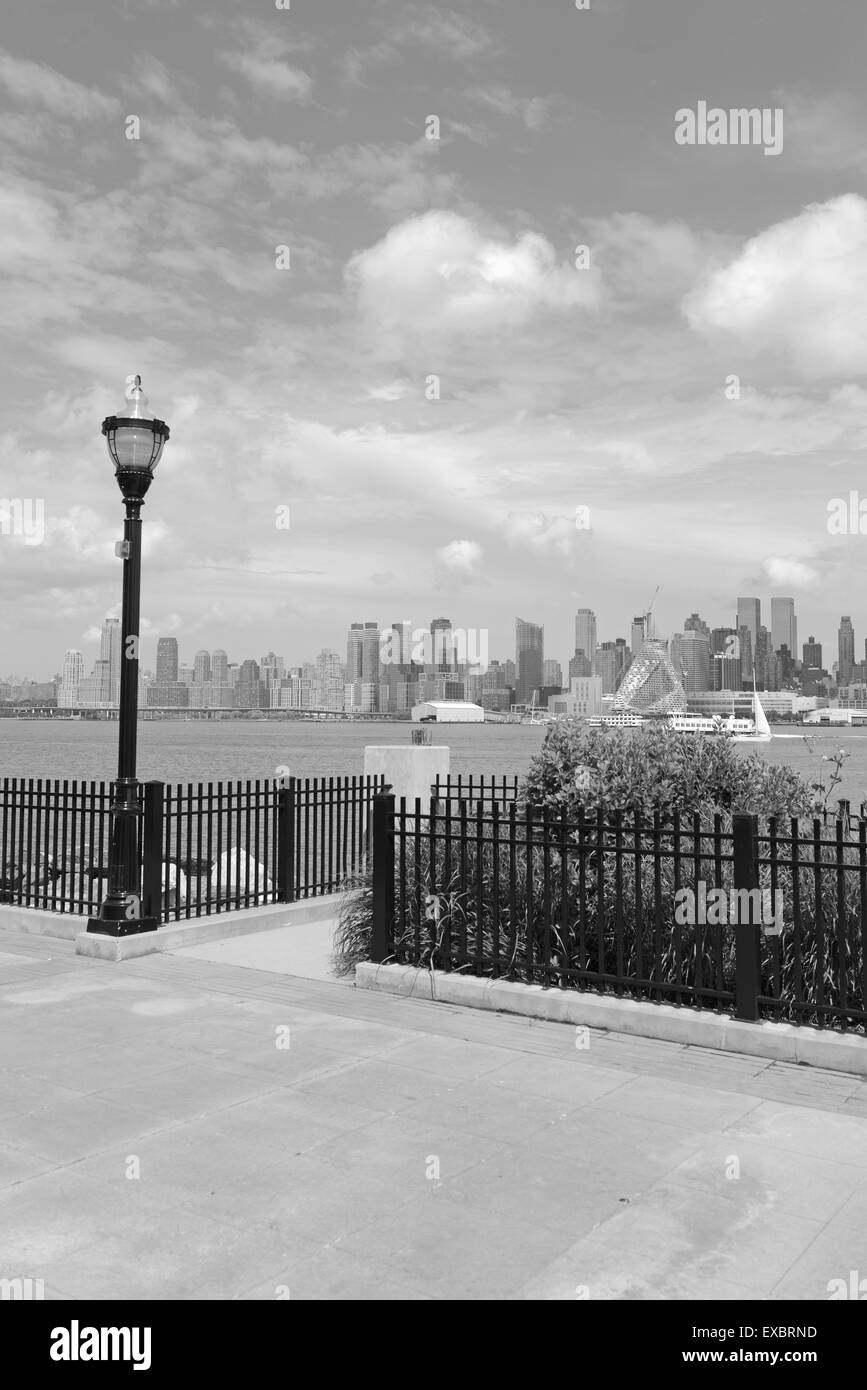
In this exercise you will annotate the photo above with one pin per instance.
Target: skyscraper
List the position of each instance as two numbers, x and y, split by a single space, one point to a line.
784 625
110 655
202 667
552 674
167 661
750 617
220 668
845 651
812 654
690 657
585 632
695 624
70 680
529 656
353 652
442 644
638 633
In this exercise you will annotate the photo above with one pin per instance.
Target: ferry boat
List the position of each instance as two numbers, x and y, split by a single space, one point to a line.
617 719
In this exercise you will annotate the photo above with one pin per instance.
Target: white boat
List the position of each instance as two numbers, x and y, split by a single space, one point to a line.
761 731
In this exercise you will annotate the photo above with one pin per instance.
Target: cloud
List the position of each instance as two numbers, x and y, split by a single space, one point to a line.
541 532
786 572
439 272
535 112
797 290
461 557
640 258
39 85
271 76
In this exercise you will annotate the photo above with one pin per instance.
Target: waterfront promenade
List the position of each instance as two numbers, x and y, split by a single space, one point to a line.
161 1140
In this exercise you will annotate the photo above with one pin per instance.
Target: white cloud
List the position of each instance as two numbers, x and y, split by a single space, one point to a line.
37 84
271 76
797 290
541 532
439 272
784 571
462 557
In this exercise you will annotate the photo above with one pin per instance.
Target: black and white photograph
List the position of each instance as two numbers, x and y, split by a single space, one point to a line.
432 485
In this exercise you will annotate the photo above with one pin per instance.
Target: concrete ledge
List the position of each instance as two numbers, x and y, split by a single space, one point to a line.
779 1042
197 931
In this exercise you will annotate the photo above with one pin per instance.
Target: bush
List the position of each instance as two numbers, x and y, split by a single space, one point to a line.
654 768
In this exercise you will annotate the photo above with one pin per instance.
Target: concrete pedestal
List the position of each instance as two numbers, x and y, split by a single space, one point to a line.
410 768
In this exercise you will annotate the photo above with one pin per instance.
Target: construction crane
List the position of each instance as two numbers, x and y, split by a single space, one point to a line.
648 613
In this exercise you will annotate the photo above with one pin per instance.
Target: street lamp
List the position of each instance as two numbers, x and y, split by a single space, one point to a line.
135 442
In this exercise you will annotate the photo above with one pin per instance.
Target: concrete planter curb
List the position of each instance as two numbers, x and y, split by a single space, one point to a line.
197 932
779 1042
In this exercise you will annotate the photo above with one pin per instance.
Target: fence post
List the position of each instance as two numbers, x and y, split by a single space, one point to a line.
747 954
152 852
381 943
286 802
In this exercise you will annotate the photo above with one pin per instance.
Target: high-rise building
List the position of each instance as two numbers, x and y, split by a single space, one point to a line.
579 665
248 692
784 624
764 649
529 658
746 647
585 632
812 654
720 641
328 682
201 667
638 633
442 644
750 617
70 680
611 663
110 655
219 668
690 657
167 661
695 624
845 651
552 674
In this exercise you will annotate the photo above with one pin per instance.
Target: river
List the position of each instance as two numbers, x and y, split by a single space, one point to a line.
205 751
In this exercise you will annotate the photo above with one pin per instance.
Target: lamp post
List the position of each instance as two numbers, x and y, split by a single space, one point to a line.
135 442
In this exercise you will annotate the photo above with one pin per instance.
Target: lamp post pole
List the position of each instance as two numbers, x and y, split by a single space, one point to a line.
135 442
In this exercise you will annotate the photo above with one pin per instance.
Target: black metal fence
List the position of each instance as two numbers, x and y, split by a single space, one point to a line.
503 790
203 848
617 904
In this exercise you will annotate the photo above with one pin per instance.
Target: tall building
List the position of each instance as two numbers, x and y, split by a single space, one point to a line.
328 682
784 625
248 692
552 674
764 649
638 633
750 617
110 654
70 680
845 651
167 661
529 658
812 654
611 663
695 624
354 643
219 668
201 668
442 644
579 665
585 632
690 657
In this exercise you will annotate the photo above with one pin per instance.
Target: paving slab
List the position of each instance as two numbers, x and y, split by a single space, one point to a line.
186 1128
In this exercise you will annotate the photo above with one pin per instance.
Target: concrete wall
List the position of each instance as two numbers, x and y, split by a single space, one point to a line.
410 768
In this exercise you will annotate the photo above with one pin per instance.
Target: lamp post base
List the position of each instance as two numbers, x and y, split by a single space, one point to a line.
105 926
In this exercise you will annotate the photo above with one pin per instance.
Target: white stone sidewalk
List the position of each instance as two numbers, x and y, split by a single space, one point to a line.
159 1140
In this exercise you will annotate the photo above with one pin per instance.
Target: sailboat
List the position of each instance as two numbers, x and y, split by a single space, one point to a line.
761 732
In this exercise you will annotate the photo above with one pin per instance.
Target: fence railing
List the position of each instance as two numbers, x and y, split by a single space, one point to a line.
203 848
710 915
503 790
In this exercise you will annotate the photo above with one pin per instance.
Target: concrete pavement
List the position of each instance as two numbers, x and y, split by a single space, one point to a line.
173 1127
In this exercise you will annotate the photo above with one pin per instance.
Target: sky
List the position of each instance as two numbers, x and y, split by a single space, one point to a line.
393 343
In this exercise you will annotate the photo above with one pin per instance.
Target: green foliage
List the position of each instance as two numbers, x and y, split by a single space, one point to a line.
654 768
